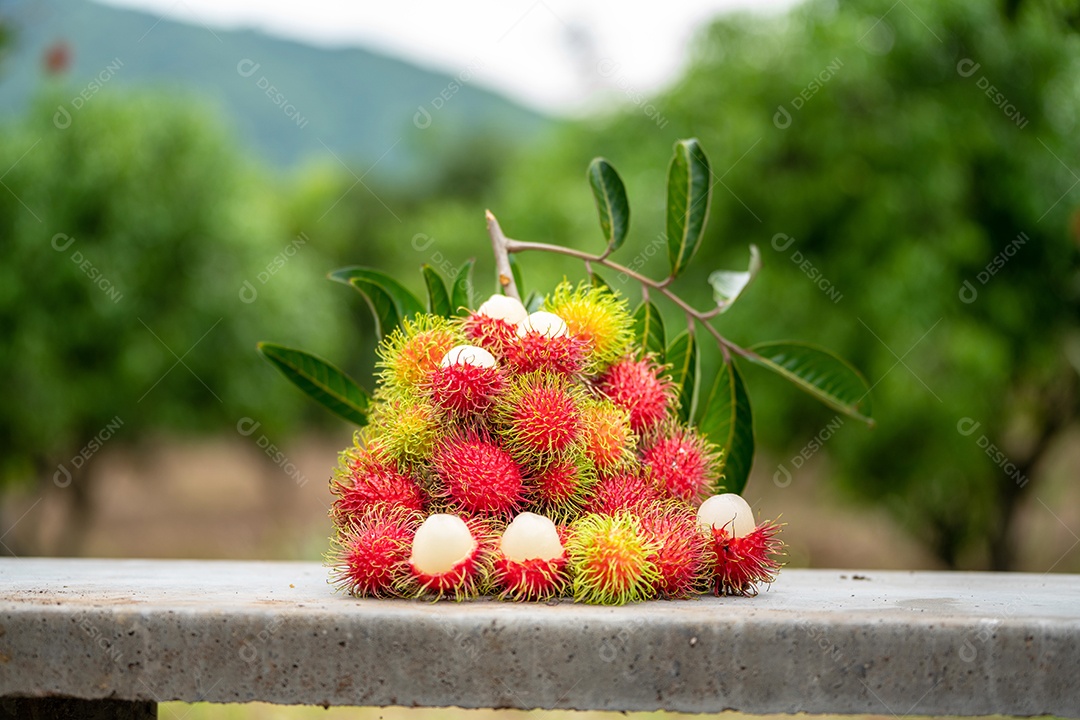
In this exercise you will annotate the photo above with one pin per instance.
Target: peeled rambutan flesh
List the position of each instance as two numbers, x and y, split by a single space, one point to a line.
366 479
494 324
745 554
682 557
543 343
466 382
640 388
540 415
449 556
611 560
683 464
530 563
370 556
477 475
629 490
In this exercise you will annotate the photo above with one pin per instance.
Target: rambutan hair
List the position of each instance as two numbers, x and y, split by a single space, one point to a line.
409 354
536 352
683 463
493 334
683 558
369 557
597 317
464 389
559 489
406 429
630 490
533 579
477 476
365 477
741 563
539 417
607 438
611 560
641 388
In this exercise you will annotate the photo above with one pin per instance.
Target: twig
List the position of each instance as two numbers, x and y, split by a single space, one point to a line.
500 245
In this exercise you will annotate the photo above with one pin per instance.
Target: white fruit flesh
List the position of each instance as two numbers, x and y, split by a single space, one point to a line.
440 543
531 537
501 307
727 511
547 324
468 355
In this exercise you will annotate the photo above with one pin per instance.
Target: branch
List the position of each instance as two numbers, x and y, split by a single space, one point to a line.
500 245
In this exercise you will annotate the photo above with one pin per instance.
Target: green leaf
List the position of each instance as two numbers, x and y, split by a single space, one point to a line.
323 382
461 294
534 302
682 357
726 420
599 282
689 190
818 372
515 270
390 301
649 331
610 196
727 285
438 298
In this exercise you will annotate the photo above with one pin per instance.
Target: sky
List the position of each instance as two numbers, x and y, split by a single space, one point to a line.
553 55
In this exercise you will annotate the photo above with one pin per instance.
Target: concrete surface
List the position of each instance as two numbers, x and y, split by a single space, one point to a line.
816 641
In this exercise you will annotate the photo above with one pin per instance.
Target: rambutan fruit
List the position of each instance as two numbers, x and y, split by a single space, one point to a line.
370 555
596 316
365 478
530 562
543 343
450 556
409 354
745 554
494 324
607 437
641 388
406 429
465 382
683 463
629 490
539 417
682 557
478 476
560 488
611 560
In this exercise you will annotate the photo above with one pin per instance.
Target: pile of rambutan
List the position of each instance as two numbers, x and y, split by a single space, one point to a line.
533 456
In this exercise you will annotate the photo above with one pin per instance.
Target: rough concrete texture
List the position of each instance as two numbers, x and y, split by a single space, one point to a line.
816 641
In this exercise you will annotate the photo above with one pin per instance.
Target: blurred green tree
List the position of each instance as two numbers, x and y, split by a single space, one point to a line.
908 173
142 260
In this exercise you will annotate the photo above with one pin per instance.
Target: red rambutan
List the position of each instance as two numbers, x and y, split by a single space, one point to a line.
543 344
494 324
683 463
370 556
682 558
611 560
530 563
560 488
745 554
366 478
607 438
466 381
540 417
478 476
640 388
626 491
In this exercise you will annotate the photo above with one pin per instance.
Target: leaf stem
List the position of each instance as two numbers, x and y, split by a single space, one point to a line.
504 246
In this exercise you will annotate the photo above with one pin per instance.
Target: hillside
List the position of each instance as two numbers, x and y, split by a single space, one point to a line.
288 101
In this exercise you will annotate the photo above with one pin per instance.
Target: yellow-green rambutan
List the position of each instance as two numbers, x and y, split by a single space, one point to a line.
596 316
607 438
611 560
405 429
409 354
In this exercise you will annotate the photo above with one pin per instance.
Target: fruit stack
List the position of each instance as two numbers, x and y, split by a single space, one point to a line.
533 456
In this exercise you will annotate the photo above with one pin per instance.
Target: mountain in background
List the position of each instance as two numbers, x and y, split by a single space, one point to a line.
285 100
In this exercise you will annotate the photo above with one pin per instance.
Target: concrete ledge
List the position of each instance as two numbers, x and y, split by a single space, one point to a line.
817 641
